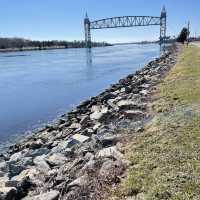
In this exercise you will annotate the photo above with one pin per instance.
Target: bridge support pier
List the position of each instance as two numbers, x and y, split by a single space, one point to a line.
88 42
163 26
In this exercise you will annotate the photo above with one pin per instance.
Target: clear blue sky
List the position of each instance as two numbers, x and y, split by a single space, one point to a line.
63 19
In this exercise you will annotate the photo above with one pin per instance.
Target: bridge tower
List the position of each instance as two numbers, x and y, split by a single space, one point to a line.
163 25
88 42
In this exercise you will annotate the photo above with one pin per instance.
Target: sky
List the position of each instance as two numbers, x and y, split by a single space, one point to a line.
63 19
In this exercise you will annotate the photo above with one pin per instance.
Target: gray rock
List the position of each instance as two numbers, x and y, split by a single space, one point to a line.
96 115
144 92
33 175
16 157
84 119
3 166
109 140
111 103
81 181
80 138
64 147
7 193
36 144
99 115
110 152
134 114
37 152
51 195
40 162
56 159
126 104
75 126
110 166
96 126
108 95
15 169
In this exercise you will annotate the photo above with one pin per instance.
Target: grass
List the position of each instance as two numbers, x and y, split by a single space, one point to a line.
165 158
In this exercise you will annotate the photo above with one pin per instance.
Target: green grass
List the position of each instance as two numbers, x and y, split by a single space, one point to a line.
165 158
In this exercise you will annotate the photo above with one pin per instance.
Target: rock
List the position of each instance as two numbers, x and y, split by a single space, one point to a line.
21 184
15 168
99 115
89 156
134 114
95 108
56 159
16 157
64 147
96 126
37 152
3 181
36 144
84 119
109 140
81 181
88 167
51 195
7 193
126 104
80 138
33 175
126 90
110 167
96 115
111 103
40 162
108 95
75 126
110 152
144 92
3 166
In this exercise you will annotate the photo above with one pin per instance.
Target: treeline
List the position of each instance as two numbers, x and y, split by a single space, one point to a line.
20 43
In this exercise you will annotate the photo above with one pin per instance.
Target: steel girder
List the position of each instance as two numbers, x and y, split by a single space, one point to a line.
125 21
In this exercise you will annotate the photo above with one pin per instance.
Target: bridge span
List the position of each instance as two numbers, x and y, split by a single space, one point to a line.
126 21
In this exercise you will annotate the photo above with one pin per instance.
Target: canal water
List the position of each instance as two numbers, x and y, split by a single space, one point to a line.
38 86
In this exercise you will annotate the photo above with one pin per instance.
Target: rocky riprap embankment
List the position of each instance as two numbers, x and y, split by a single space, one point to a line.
80 155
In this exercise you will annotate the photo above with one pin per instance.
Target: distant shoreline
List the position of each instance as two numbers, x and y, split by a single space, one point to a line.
31 49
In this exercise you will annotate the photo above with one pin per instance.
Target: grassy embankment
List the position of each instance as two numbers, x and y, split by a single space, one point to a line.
165 158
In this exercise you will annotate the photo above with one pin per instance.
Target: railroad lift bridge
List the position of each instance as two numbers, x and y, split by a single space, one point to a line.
126 21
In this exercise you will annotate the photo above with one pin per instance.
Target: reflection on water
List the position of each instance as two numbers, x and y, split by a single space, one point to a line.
35 89
89 56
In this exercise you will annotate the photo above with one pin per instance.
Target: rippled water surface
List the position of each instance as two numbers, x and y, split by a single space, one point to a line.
37 86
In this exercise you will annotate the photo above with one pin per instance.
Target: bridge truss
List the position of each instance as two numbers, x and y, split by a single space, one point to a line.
126 21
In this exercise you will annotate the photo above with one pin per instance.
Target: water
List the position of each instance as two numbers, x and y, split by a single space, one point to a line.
38 86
